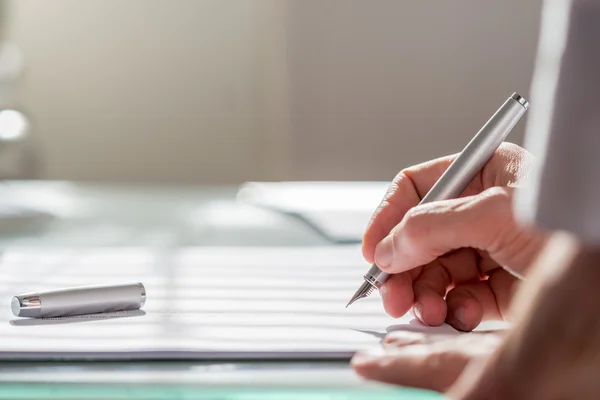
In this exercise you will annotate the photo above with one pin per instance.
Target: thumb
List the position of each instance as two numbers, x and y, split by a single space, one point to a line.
484 221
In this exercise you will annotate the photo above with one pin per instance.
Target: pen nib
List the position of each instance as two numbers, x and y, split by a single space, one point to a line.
363 291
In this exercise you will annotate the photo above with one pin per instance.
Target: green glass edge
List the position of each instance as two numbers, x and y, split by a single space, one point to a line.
45 391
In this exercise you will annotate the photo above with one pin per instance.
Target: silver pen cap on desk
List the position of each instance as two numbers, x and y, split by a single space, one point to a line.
80 300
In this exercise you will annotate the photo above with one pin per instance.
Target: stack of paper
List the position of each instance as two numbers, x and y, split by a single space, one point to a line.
202 303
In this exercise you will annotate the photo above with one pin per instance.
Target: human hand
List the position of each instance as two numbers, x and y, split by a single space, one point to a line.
460 249
451 258
423 359
553 349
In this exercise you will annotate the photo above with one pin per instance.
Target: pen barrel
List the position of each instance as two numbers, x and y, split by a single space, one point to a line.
468 163
478 151
80 301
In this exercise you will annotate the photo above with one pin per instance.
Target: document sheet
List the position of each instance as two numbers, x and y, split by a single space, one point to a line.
202 303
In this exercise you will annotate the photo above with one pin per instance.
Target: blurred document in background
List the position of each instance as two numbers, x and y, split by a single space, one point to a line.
338 210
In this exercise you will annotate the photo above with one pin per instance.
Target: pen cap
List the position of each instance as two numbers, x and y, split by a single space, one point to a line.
80 301
478 151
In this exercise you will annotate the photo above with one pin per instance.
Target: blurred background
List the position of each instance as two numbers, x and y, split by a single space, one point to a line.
214 91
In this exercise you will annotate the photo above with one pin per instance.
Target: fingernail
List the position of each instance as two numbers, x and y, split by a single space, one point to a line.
418 309
459 315
403 338
458 319
368 356
384 252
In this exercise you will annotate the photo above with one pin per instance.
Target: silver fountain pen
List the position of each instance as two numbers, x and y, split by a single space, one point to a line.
461 172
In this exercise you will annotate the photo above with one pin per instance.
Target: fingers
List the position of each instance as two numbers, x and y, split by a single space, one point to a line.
508 166
484 221
551 334
436 278
418 360
470 304
504 286
405 191
405 338
430 289
469 301
420 366
397 295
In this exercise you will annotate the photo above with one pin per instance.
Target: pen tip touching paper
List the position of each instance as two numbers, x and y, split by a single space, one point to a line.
363 291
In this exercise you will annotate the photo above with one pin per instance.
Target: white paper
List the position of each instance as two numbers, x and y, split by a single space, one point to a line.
338 210
202 303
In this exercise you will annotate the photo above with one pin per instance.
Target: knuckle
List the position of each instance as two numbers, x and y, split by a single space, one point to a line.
509 165
499 201
391 194
401 176
497 197
511 150
399 181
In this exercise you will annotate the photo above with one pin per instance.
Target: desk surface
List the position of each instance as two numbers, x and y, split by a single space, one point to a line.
122 215
137 215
